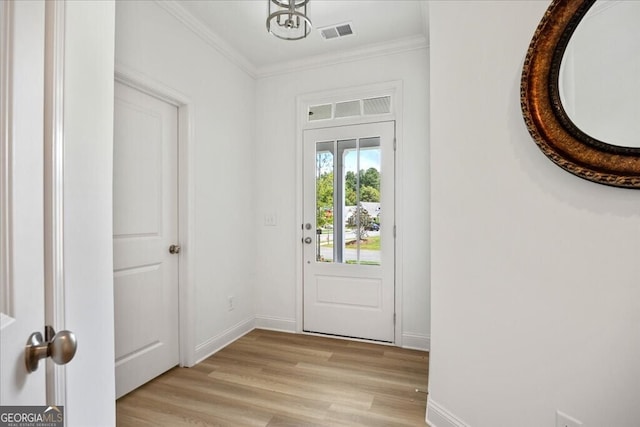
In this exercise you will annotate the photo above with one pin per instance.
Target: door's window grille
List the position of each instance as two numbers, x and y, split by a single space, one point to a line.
348 109
320 112
352 108
380 105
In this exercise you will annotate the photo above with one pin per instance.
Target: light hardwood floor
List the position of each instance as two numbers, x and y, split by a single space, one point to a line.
271 378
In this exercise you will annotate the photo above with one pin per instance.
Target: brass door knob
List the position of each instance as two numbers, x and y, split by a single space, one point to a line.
174 249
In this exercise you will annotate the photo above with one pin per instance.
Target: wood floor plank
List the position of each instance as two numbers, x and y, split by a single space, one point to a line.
269 379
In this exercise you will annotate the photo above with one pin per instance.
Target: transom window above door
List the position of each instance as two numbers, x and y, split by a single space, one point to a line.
351 108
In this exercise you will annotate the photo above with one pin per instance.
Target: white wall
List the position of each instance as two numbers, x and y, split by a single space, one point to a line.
275 184
535 280
88 147
152 42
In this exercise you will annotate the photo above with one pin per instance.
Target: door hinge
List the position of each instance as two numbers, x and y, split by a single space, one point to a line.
394 231
394 319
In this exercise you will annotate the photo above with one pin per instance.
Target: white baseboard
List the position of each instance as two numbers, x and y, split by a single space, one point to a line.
437 416
416 341
217 343
275 323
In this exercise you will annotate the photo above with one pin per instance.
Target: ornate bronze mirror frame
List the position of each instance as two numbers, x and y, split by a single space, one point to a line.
546 119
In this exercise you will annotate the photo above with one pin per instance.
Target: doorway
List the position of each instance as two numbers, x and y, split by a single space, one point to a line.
145 226
348 231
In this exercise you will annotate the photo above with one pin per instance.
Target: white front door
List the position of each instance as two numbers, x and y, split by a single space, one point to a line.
21 196
145 225
348 231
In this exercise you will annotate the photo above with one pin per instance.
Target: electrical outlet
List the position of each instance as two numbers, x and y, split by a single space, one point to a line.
230 302
564 420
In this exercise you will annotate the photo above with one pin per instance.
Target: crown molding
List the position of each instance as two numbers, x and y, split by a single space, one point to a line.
175 9
366 52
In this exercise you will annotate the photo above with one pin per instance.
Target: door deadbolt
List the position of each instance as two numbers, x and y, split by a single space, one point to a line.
308 240
174 249
61 347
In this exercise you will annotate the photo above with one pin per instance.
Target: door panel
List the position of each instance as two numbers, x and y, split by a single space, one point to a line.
349 255
21 195
351 291
145 224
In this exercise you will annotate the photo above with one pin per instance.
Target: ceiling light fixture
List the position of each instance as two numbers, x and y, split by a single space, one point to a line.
288 20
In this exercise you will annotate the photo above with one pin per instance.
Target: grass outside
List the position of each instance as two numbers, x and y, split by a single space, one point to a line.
368 243
363 262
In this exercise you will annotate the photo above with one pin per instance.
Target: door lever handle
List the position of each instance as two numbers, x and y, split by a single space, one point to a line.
61 348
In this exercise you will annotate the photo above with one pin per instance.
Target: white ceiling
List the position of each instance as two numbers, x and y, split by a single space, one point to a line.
379 25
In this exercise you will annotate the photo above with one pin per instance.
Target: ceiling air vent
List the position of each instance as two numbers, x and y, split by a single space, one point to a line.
336 31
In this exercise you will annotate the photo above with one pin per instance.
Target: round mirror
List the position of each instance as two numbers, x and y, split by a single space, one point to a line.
600 73
565 126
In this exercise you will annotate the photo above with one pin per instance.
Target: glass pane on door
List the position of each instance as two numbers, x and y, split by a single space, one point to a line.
348 201
362 168
325 206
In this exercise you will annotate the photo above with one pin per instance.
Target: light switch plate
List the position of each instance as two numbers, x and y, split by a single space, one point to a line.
270 219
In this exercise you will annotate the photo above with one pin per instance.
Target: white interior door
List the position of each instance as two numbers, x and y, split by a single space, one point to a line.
145 225
21 198
348 231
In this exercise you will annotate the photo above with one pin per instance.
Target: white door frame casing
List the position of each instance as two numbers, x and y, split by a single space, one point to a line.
54 285
303 102
5 165
186 210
